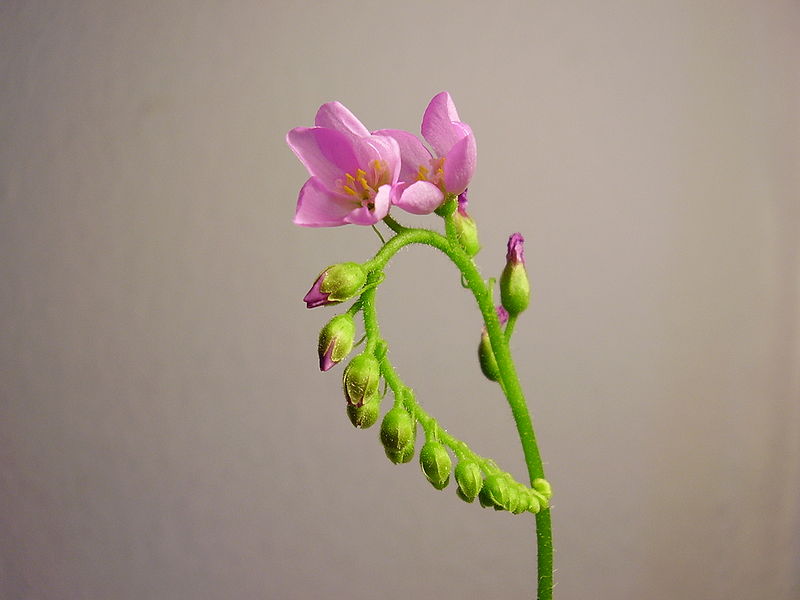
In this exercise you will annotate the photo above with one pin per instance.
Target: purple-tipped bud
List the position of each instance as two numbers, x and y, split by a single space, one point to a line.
336 284
336 340
502 315
515 290
516 250
466 230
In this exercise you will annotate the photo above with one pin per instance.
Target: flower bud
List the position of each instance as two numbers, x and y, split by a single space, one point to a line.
515 290
364 416
336 340
534 503
466 230
515 499
436 464
360 379
400 456
469 480
336 284
397 429
495 491
486 357
543 487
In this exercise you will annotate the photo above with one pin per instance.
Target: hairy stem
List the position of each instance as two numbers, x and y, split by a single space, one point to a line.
509 380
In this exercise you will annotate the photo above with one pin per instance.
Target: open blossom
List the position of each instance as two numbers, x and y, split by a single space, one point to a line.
353 173
427 178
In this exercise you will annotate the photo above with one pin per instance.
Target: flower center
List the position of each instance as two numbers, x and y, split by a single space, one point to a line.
434 174
363 186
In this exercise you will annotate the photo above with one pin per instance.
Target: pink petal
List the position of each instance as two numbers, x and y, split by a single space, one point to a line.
326 153
319 207
374 147
412 153
334 115
420 198
459 166
364 216
437 124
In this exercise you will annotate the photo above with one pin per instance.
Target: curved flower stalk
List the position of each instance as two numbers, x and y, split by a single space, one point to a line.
406 174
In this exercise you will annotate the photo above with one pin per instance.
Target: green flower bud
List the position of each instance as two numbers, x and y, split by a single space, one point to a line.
515 499
534 505
485 354
515 289
543 487
461 495
397 429
486 358
543 501
366 415
466 230
436 464
495 491
336 340
400 456
469 480
336 284
360 379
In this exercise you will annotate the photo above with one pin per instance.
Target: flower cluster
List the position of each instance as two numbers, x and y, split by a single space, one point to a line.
357 175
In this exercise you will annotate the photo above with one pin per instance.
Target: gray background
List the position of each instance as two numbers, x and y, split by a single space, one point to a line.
164 432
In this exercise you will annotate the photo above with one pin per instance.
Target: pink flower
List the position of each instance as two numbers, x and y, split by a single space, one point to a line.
428 178
353 173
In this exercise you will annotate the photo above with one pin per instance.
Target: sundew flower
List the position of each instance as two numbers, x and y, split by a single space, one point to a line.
353 173
428 178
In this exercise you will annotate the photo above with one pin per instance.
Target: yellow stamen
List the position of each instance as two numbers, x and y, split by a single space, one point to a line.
349 190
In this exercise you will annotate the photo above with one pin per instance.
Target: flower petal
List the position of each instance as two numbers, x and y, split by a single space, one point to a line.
364 216
412 153
319 207
459 166
420 198
326 153
438 124
375 147
335 115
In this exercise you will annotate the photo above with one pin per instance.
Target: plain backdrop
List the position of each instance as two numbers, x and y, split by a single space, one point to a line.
164 431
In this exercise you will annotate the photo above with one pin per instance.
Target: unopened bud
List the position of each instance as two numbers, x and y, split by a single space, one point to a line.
400 456
397 429
360 379
515 290
336 340
336 284
515 499
495 491
543 487
364 416
534 503
469 480
486 357
436 464
466 230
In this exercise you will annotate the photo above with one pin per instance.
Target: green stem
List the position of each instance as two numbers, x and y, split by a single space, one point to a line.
512 320
509 380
